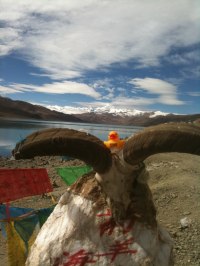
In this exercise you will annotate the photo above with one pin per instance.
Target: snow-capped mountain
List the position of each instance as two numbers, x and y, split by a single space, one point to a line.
111 115
103 110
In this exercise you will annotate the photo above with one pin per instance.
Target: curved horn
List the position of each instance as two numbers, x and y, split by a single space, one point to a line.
62 141
172 137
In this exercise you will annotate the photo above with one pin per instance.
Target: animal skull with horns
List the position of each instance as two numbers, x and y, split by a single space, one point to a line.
108 216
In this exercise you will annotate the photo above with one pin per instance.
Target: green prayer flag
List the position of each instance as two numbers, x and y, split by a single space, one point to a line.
70 174
43 214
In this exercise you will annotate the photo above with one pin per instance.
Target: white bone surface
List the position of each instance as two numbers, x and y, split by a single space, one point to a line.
76 234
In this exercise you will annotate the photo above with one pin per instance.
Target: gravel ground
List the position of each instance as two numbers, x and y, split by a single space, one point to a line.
174 181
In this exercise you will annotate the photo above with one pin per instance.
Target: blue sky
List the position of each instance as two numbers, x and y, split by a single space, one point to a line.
135 54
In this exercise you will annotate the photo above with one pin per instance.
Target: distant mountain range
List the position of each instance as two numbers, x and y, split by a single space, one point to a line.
105 115
23 110
140 119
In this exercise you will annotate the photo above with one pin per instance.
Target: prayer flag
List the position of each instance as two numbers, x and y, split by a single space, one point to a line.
13 212
70 174
19 183
15 245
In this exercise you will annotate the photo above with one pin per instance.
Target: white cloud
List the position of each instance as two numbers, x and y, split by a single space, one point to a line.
10 40
102 83
66 87
8 90
121 102
191 72
194 93
186 58
67 38
133 102
153 86
166 92
169 100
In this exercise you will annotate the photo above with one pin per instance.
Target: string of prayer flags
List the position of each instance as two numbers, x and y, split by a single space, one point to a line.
22 230
25 217
19 183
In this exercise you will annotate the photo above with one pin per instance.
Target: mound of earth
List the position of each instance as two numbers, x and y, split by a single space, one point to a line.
175 184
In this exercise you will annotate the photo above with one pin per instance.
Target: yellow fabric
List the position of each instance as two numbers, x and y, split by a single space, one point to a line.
53 199
16 248
33 237
114 144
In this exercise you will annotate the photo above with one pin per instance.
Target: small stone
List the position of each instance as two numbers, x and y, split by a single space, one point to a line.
186 213
185 222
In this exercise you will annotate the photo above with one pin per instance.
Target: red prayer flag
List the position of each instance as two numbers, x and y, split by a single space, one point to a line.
19 183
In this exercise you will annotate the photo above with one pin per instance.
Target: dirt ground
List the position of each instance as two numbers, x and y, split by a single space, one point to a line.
175 184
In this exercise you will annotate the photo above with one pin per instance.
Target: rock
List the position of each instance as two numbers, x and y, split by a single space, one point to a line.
185 222
186 213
